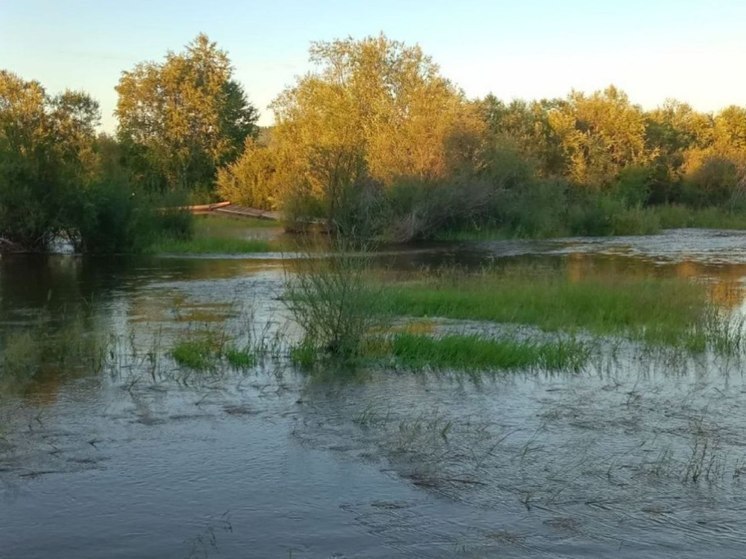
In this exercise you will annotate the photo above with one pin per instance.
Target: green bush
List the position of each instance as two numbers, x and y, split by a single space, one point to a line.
114 219
333 302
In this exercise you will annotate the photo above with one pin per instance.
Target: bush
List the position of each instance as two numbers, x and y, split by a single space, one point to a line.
712 183
333 303
110 221
115 219
537 209
634 186
174 224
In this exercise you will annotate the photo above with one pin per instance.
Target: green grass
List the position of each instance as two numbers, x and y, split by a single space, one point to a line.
219 225
206 352
676 216
468 352
475 234
210 245
658 311
239 358
198 354
219 235
625 221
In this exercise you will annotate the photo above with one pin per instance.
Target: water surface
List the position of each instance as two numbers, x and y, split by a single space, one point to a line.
142 460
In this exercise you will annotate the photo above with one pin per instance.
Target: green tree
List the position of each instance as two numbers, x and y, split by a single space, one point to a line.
526 127
600 134
47 159
182 119
376 111
672 132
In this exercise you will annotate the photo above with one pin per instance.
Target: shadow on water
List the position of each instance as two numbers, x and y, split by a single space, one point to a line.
639 454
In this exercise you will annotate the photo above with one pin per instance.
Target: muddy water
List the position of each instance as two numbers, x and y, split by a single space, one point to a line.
640 454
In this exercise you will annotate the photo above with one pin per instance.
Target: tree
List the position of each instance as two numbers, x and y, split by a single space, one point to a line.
375 111
526 127
182 119
673 132
600 135
46 159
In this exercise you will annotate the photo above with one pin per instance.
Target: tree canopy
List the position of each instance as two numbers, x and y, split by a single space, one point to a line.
46 159
374 111
181 119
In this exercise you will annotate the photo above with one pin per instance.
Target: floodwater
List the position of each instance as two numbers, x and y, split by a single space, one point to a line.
641 454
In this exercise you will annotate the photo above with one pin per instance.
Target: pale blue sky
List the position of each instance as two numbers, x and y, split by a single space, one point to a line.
654 49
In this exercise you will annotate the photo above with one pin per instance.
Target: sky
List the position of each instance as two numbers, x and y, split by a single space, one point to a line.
693 51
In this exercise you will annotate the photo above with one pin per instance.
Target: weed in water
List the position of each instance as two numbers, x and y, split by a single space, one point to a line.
200 353
239 358
705 461
333 302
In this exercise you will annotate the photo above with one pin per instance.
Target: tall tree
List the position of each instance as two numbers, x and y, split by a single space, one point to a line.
183 118
46 159
601 134
375 111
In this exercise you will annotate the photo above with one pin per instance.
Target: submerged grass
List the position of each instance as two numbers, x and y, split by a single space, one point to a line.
469 352
671 311
206 351
197 354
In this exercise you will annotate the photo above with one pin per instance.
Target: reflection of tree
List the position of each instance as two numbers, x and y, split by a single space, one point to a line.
725 286
727 293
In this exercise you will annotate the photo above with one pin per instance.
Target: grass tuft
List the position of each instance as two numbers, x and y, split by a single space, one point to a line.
198 354
469 352
239 358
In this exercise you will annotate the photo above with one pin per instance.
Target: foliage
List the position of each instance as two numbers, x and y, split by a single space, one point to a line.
46 160
252 180
182 119
376 111
375 143
333 302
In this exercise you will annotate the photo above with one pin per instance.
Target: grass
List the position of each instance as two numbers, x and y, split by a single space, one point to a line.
20 357
469 352
239 358
198 354
218 235
210 245
206 351
672 312
475 234
219 225
333 303
68 349
675 216
628 221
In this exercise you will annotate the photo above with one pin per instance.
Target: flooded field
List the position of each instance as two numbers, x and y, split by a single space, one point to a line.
126 454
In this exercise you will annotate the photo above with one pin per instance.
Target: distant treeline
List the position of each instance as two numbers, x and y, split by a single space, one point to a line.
375 141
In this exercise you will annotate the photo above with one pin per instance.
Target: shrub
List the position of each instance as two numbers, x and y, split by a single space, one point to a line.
333 303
